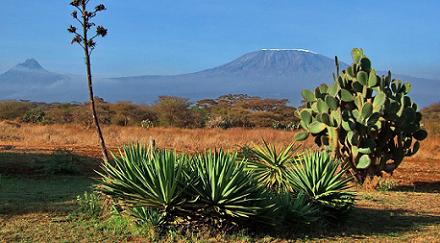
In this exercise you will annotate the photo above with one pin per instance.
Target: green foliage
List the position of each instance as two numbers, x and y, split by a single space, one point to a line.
235 110
269 166
385 185
147 216
298 210
12 110
223 190
143 177
36 115
240 110
116 224
89 204
173 111
160 188
367 121
324 182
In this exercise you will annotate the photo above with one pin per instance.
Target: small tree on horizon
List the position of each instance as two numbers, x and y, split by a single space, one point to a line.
88 44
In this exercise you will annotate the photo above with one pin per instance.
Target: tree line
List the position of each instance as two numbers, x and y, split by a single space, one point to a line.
233 110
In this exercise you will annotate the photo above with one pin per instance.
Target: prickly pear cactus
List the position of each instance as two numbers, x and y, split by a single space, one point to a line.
366 120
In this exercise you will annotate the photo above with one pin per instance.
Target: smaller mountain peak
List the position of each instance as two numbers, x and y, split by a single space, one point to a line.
300 50
31 64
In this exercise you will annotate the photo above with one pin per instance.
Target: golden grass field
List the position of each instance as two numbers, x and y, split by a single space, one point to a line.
422 167
409 212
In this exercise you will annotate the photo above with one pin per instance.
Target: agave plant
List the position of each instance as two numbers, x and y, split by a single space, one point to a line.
296 210
147 178
144 215
224 190
323 181
269 166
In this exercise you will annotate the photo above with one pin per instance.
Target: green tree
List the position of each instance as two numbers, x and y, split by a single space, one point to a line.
173 111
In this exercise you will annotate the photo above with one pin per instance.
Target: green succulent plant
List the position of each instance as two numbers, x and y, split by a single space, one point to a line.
324 182
224 191
366 120
143 177
147 216
296 210
269 166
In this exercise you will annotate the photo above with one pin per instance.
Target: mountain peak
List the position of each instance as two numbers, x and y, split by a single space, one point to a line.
286 63
31 64
300 50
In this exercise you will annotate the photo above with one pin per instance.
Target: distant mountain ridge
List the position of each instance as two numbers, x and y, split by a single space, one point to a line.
276 73
29 73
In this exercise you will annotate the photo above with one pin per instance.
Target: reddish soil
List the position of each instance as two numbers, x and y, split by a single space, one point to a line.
413 174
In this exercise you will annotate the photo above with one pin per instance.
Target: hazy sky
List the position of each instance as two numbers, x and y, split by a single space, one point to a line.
177 36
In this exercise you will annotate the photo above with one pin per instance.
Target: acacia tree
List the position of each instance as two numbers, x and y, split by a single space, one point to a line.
81 37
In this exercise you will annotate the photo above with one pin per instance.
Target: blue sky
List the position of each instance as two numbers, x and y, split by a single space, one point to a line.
178 36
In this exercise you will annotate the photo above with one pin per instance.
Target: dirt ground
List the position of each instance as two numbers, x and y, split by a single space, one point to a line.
406 211
418 172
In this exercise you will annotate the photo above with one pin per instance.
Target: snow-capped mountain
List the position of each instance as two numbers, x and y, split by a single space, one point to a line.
276 73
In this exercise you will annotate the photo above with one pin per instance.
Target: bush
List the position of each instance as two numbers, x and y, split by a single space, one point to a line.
14 110
269 166
217 189
297 210
324 182
146 178
36 115
173 111
147 216
224 192
89 204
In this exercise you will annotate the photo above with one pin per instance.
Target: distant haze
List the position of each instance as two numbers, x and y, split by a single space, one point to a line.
276 73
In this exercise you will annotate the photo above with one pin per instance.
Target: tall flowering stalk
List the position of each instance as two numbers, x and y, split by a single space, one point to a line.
84 38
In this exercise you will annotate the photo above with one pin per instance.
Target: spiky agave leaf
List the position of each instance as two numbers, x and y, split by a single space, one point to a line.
323 181
269 166
143 177
144 215
296 210
224 189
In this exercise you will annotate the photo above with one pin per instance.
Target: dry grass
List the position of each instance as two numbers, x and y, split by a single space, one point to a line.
25 138
409 212
188 140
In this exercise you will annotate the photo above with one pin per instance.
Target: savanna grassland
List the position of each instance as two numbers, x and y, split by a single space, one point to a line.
44 168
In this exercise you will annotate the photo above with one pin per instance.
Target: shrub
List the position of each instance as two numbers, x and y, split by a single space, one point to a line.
146 178
36 115
89 204
160 188
368 121
385 185
173 111
224 192
147 216
269 166
297 210
13 110
323 182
